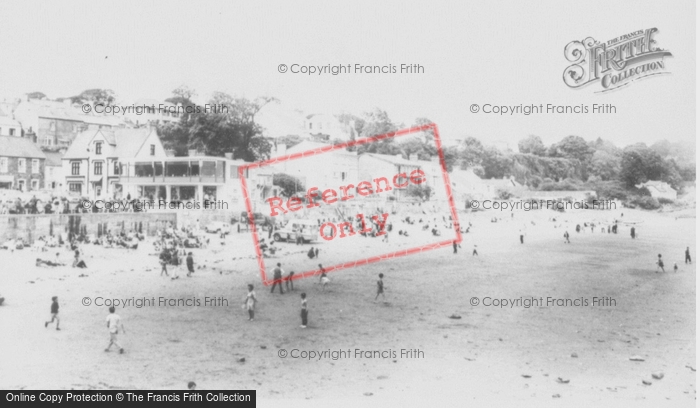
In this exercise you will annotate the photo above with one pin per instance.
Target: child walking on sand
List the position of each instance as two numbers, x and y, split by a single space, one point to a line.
380 287
324 278
660 265
250 302
54 313
114 323
304 311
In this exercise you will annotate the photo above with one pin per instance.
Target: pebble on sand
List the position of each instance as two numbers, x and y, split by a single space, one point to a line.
657 375
574 355
636 358
563 380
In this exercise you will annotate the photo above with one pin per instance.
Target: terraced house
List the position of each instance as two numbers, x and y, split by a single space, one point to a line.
21 164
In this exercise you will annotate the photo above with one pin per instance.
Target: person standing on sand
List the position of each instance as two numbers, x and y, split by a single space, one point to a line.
566 237
304 311
289 282
474 252
176 264
522 237
114 323
54 313
687 256
454 247
190 264
164 259
632 232
277 279
380 287
250 302
660 265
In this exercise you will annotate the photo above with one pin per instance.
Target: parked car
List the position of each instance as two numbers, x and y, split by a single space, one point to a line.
308 229
218 228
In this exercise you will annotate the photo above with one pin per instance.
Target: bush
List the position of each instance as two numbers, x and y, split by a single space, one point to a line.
664 200
645 202
504 195
610 190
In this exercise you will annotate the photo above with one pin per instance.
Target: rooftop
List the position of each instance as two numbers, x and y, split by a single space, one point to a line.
13 146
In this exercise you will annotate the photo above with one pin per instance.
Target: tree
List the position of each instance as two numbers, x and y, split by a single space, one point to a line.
290 185
377 123
183 96
353 123
640 164
232 129
532 145
605 165
495 163
574 147
471 152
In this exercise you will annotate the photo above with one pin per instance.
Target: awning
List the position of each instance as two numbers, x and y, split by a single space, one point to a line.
98 181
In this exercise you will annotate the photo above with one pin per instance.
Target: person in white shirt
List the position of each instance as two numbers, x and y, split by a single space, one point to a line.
249 303
114 323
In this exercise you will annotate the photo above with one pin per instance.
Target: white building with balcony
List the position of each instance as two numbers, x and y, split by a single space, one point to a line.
91 164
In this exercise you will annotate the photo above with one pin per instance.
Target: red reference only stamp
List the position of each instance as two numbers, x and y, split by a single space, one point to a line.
347 202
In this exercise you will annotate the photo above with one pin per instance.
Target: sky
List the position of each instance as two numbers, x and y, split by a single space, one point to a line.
476 52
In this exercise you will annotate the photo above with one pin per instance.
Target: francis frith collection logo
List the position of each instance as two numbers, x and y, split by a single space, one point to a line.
614 63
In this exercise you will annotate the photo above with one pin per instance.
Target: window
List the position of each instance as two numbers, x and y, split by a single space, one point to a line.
98 168
153 150
98 148
35 166
52 126
35 184
22 165
116 168
75 188
12 132
75 168
3 164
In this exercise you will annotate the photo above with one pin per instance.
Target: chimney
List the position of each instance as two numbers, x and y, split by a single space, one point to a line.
229 155
170 152
413 157
192 152
281 149
435 159
399 156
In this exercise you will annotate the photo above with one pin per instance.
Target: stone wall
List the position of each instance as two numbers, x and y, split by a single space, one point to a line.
31 227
